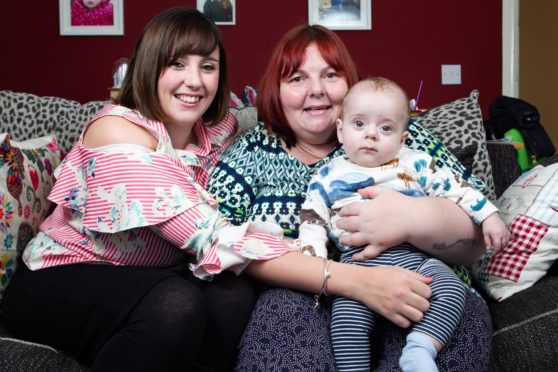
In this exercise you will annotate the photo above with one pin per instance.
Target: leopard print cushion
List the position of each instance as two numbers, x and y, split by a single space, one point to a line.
26 116
460 124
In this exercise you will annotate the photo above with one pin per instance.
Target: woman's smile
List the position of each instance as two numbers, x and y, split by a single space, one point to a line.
317 109
188 98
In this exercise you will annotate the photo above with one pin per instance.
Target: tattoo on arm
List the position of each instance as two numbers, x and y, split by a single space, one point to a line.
462 243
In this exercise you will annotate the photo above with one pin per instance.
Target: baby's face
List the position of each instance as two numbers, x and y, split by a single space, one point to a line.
91 3
373 126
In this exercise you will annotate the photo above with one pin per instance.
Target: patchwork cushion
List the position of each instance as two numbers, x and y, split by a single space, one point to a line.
530 209
459 124
26 178
25 116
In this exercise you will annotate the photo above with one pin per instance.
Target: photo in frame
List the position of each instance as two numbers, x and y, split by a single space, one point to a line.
91 17
341 14
222 12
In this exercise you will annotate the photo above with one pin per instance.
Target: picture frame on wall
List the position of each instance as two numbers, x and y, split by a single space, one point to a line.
341 14
91 17
222 12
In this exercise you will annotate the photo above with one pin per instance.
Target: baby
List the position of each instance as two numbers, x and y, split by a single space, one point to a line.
373 130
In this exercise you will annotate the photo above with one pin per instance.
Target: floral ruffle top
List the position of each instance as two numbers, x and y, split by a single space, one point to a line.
129 205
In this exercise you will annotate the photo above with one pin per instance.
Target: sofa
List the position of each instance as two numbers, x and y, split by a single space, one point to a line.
525 324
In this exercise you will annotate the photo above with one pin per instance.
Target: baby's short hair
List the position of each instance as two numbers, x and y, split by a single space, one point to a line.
378 83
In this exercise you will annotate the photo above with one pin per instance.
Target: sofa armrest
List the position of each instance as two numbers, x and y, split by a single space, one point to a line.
505 170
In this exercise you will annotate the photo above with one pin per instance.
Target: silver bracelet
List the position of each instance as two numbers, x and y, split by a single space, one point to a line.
323 290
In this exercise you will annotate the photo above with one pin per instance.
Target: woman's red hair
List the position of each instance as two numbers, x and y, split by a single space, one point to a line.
287 57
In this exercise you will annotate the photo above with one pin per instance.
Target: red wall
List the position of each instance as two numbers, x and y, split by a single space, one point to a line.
409 41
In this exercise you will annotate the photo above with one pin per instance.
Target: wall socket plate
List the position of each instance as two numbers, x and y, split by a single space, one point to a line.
451 74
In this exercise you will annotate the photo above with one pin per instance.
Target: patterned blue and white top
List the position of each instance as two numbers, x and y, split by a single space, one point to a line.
256 179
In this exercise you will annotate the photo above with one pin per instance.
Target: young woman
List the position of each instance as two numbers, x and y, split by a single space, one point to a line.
106 279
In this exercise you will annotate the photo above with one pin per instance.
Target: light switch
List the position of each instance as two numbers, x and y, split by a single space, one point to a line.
451 74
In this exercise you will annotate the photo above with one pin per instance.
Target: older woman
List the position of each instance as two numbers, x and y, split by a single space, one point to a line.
263 177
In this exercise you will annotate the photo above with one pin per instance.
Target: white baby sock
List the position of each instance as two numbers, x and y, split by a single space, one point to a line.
419 354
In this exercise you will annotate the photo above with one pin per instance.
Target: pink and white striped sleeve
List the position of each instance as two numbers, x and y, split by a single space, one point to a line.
217 244
118 191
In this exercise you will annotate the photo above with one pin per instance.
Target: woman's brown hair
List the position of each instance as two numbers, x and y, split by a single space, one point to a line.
173 33
287 57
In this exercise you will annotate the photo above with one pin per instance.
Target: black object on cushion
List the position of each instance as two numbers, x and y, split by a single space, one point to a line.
514 113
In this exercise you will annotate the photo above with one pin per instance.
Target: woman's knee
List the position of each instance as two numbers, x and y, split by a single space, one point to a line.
172 305
287 323
467 349
470 345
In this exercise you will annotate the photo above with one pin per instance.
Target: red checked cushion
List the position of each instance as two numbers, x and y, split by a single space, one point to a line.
530 209
527 234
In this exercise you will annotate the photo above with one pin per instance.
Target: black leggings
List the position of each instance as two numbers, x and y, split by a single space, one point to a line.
131 319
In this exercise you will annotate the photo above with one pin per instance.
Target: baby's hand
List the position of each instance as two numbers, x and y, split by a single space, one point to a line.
495 231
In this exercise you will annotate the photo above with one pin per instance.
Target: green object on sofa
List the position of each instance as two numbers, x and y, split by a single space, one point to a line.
524 338
525 160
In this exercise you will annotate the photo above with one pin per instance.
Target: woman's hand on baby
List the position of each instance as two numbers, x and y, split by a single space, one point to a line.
397 294
375 225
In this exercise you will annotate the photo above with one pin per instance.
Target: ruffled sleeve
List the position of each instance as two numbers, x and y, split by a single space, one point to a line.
219 245
121 190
